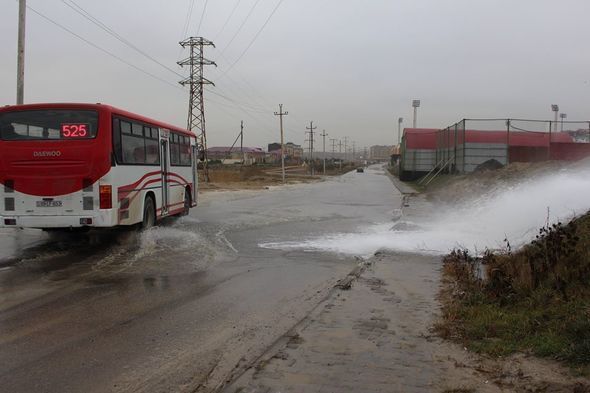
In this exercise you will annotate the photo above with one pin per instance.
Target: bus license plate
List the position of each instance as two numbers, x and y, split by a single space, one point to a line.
49 204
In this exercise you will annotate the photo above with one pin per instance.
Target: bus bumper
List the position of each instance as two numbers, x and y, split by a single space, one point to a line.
22 221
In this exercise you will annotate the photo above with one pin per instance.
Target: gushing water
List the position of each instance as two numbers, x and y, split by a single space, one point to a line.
514 213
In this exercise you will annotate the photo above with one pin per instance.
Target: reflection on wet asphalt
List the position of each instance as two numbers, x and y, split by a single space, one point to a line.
180 306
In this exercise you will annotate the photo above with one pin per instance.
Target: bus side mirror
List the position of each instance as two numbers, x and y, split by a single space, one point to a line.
201 154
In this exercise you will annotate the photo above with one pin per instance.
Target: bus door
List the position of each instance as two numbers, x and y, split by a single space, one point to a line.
195 160
165 164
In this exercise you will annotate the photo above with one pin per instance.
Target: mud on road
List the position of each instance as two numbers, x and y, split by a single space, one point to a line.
377 337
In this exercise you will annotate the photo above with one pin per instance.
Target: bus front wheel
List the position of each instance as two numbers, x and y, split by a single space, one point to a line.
149 213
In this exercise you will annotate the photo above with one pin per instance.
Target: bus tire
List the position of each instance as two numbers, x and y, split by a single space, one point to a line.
149 213
187 203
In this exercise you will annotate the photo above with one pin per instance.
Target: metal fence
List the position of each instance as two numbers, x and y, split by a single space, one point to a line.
469 143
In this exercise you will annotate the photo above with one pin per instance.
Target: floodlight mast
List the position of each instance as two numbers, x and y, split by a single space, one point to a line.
555 109
415 105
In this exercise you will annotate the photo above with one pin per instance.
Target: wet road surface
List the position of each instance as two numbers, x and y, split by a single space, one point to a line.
181 307
371 338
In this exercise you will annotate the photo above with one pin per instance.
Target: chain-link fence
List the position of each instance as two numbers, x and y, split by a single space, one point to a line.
472 143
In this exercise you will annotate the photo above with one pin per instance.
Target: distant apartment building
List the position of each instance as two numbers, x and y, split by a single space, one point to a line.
379 152
293 152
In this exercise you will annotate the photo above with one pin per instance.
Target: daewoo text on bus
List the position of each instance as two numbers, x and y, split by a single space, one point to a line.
68 166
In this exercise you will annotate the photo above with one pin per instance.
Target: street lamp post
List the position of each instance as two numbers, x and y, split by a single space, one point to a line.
399 129
562 116
415 105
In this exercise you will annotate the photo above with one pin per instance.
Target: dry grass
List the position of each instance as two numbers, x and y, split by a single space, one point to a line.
535 299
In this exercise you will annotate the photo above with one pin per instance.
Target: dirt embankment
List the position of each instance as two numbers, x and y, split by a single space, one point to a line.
516 306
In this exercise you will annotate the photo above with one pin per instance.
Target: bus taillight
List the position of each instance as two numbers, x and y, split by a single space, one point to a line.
106 197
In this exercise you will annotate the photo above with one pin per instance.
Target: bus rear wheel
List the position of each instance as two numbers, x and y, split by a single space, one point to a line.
149 213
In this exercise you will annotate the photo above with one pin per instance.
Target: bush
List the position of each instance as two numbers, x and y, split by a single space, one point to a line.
536 298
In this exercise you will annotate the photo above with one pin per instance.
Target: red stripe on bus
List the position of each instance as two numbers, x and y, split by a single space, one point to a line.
133 185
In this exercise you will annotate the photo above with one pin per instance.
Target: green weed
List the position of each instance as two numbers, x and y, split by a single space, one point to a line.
536 299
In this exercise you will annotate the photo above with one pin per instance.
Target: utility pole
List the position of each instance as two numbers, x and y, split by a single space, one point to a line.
20 57
323 134
353 151
311 140
196 103
345 147
280 113
340 153
333 146
242 141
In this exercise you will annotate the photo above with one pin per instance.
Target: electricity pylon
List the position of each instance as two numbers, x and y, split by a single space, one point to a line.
196 105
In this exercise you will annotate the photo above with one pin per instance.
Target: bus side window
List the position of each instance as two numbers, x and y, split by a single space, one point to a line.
174 149
132 143
117 139
152 151
135 143
185 151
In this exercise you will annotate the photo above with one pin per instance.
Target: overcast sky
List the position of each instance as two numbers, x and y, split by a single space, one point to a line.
351 66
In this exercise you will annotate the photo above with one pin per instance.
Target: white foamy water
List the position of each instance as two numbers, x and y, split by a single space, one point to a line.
515 213
167 239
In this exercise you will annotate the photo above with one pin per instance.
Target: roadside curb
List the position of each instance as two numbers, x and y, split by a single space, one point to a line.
402 187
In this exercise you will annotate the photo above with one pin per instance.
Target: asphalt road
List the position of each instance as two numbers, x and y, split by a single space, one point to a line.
181 307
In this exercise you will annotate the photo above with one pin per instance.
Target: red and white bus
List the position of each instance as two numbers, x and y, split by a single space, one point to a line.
92 165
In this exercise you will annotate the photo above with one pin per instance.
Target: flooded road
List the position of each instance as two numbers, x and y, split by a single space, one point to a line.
184 306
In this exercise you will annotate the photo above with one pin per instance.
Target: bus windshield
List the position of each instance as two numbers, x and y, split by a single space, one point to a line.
48 124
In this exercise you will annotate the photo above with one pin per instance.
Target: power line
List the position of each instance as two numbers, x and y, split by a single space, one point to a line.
116 35
123 40
202 16
251 91
233 103
187 20
227 20
101 48
126 62
254 39
251 108
241 26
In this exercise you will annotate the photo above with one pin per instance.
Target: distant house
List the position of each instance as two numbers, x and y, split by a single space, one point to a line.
293 152
380 153
274 147
229 155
